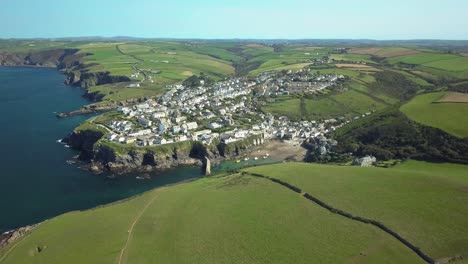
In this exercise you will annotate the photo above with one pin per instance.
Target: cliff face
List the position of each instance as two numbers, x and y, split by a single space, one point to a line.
104 158
68 61
48 58
87 79
84 141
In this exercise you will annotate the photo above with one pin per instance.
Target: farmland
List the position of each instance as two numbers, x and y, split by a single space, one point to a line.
220 218
387 52
421 201
450 117
356 101
225 217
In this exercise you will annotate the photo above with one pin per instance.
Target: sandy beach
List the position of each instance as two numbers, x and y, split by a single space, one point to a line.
279 150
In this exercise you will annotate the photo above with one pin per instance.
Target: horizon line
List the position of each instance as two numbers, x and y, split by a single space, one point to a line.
236 38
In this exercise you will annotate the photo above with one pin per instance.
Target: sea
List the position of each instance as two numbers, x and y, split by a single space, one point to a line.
36 181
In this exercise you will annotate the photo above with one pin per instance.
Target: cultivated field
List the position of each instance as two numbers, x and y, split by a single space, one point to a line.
384 52
450 117
454 98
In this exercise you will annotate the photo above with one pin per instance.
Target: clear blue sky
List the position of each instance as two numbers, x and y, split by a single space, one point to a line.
374 19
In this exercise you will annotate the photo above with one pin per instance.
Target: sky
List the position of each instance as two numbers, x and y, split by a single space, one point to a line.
226 19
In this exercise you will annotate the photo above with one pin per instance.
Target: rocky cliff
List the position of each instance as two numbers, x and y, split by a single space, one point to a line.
68 61
105 156
48 58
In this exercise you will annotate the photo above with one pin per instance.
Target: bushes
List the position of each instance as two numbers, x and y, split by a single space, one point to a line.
391 135
394 84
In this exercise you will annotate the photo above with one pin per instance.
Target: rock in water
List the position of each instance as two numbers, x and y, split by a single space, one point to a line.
207 167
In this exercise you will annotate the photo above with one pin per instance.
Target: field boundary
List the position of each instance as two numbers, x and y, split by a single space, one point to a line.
375 223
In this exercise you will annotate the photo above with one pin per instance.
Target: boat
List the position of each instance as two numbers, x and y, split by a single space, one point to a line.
246 159
67 146
139 178
255 158
71 162
264 157
237 161
267 154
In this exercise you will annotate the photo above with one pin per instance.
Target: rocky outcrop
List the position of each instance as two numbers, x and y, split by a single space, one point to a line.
48 58
86 79
104 157
84 141
68 61
13 235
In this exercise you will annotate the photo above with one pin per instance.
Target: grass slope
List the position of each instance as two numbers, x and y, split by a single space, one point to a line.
450 117
230 219
423 202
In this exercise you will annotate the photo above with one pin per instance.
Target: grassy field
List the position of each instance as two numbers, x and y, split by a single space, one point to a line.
222 219
350 103
421 201
384 52
285 106
450 117
171 59
352 57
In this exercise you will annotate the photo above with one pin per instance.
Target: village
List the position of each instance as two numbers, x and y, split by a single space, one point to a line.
223 112
300 81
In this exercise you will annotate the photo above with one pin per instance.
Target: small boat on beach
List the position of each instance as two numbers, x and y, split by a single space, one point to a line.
256 158
246 159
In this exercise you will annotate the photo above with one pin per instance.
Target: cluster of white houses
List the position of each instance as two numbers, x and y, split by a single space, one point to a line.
298 81
222 112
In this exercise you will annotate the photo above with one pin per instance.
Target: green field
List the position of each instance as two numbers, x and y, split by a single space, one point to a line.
348 104
421 201
285 106
352 57
450 117
422 58
253 220
226 218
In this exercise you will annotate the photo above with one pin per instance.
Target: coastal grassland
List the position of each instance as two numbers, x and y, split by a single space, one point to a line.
88 126
117 92
171 59
159 63
423 202
120 149
106 57
25 46
211 220
450 117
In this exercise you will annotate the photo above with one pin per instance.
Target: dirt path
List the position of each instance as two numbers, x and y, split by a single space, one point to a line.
130 231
